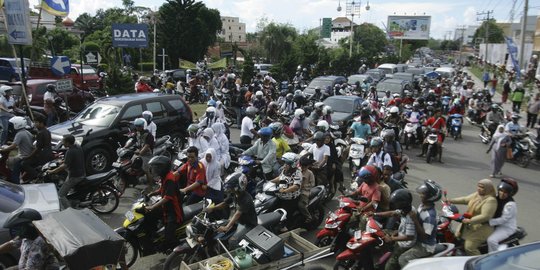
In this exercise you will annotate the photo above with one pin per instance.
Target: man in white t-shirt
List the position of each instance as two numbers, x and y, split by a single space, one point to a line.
379 158
321 153
247 130
150 125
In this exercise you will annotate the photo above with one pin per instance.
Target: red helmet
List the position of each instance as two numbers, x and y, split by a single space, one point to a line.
369 173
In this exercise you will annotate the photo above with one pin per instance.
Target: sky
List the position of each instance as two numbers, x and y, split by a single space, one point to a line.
305 14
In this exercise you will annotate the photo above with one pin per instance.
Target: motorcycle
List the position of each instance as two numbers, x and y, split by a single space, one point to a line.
456 121
534 149
144 232
432 145
410 134
129 170
357 155
336 222
520 150
445 101
203 241
486 131
166 146
266 200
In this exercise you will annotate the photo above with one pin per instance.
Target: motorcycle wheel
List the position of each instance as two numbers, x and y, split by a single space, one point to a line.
346 265
329 194
523 160
429 154
324 241
104 200
174 260
120 184
132 253
317 214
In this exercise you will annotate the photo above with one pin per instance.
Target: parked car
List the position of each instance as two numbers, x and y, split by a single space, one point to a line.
415 71
345 109
388 69
409 77
323 82
519 257
402 67
41 197
35 89
446 72
102 125
88 80
377 74
394 86
10 69
263 69
177 74
360 78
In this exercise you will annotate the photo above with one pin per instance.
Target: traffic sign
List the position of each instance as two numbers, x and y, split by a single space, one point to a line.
60 65
64 85
19 30
92 57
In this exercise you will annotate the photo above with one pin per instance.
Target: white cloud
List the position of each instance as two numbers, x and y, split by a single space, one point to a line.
469 16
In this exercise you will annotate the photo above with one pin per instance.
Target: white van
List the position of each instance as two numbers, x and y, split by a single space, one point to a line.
388 69
446 72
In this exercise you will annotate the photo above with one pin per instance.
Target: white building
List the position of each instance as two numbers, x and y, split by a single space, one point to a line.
341 28
232 29
468 34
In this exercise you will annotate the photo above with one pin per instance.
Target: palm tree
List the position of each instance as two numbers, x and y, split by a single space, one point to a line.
86 23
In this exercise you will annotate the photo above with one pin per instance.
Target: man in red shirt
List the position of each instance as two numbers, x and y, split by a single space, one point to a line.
195 175
143 86
437 124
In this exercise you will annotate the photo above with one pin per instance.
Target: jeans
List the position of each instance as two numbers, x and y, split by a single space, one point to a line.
51 119
531 119
238 111
4 121
70 183
16 170
516 106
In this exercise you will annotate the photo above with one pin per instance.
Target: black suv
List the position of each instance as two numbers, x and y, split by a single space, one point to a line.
102 125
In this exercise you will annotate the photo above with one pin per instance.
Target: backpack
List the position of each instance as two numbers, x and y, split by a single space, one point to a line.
395 162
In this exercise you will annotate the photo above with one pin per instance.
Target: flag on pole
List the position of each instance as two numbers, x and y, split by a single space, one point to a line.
56 7
513 52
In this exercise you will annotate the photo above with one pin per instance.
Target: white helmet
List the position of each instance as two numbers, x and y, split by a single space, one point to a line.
327 110
394 109
290 158
259 94
299 113
211 110
18 122
147 115
519 84
322 125
5 88
319 105
396 95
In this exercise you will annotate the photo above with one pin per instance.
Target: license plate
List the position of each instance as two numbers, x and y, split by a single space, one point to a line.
117 164
130 216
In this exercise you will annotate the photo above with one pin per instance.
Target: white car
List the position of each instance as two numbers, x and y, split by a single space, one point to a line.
41 197
519 257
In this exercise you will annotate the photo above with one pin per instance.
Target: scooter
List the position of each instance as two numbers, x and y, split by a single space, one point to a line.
266 200
410 135
144 232
166 146
456 121
432 145
486 131
357 154
520 151
129 170
336 222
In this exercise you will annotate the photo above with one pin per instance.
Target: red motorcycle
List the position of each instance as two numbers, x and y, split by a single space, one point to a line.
336 222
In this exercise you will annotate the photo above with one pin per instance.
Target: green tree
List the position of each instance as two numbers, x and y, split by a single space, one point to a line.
87 24
277 40
186 28
248 70
495 35
61 40
370 38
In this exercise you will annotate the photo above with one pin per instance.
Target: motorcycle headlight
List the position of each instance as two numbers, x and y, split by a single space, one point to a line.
332 225
344 204
353 245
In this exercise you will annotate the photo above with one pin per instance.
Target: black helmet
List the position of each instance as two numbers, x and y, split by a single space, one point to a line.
21 217
318 136
431 190
160 165
235 182
401 199
509 186
51 87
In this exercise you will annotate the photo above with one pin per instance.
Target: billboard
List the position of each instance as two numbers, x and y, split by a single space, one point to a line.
409 27
130 35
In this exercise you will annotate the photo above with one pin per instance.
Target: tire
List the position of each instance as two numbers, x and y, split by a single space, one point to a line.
174 260
317 215
98 160
104 200
429 154
523 160
324 241
346 265
132 248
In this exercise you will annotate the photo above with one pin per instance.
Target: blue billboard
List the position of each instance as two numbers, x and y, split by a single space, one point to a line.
130 35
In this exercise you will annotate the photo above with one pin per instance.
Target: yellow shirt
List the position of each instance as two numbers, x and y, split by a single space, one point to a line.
282 147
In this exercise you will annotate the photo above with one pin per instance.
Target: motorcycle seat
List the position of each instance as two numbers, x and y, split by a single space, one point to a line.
96 178
314 191
161 140
519 234
439 248
241 146
191 210
268 220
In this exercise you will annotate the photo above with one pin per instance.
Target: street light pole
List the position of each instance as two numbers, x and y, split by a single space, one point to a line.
352 8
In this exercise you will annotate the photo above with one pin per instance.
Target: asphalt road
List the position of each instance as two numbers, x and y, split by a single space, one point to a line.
465 162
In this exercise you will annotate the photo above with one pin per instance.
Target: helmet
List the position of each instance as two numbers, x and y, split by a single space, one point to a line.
388 133
251 111
51 87
211 103
365 104
519 84
401 199
235 182
416 104
188 71
210 110
259 94
323 125
283 93
289 97
394 109
193 128
265 131
317 89
516 116
290 158
299 113
456 102
160 165
494 106
319 106
431 190
396 95
306 160
318 136
327 110
369 173
387 92
376 142
421 100
276 127
139 122
272 104
18 122
147 115
509 185
407 93
21 217
5 88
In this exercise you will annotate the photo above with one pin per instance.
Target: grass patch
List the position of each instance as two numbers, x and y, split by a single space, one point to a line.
198 110
479 71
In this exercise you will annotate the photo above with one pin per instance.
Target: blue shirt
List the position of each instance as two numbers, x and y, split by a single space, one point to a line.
428 218
361 130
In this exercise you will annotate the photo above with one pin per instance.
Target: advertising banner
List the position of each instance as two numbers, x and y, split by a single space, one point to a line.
130 35
409 27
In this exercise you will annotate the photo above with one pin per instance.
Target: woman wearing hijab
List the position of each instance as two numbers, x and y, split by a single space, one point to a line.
498 148
209 136
505 219
213 176
223 150
481 205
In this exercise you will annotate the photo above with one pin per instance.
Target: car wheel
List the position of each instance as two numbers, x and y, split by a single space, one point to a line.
97 161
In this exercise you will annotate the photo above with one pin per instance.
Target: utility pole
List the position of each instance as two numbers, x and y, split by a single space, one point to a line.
163 55
462 29
352 8
486 38
522 39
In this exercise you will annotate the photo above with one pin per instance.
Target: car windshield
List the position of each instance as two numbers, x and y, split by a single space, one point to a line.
356 78
98 114
11 197
392 87
340 105
374 74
